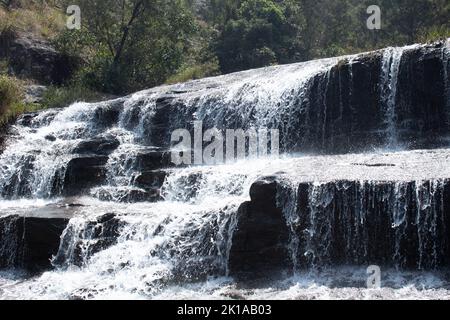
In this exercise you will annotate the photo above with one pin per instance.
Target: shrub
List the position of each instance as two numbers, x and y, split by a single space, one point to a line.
11 102
435 33
10 93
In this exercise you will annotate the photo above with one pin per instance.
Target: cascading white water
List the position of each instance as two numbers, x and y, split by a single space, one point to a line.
187 237
390 69
446 64
179 246
35 164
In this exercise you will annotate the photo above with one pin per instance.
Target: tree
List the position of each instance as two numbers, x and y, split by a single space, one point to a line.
263 32
135 43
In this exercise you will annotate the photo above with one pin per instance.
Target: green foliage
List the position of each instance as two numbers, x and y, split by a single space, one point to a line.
128 45
11 104
131 44
261 33
3 67
10 93
60 97
39 18
256 33
434 33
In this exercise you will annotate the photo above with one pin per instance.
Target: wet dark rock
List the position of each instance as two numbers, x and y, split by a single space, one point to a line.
50 137
36 119
26 119
190 186
392 224
150 179
153 159
260 240
101 233
130 195
422 100
148 195
29 243
108 115
342 110
97 146
84 173
19 183
170 113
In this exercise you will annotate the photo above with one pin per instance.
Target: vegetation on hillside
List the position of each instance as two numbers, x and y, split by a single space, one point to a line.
135 44
11 100
127 45
39 18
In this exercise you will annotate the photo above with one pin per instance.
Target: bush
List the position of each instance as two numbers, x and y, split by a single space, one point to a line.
10 93
434 34
11 103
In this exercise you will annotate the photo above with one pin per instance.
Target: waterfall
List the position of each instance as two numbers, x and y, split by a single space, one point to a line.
409 216
389 80
446 68
132 225
287 199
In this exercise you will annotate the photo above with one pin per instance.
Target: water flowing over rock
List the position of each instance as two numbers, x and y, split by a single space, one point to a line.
364 178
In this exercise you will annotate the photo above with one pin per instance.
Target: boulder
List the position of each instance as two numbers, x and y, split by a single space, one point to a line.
37 119
395 224
29 243
423 97
37 241
27 119
153 159
34 93
108 115
261 235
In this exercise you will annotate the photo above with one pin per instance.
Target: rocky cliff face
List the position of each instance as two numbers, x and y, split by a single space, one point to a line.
317 225
33 58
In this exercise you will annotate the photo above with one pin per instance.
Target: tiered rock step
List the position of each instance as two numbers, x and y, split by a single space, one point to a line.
386 209
30 238
88 169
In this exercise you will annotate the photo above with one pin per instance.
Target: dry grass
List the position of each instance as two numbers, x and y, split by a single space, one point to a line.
41 20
